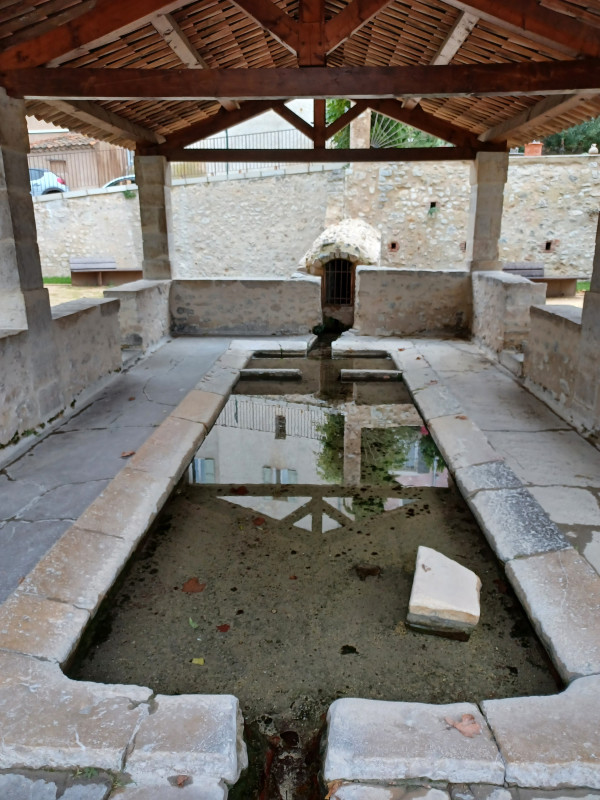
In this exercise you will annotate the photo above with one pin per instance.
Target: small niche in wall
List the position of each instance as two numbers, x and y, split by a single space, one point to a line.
462 247
393 247
433 207
550 245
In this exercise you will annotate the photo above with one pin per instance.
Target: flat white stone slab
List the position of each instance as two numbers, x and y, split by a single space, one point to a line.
568 505
461 442
207 789
376 740
493 475
435 400
550 742
361 791
196 735
444 595
561 593
515 524
50 721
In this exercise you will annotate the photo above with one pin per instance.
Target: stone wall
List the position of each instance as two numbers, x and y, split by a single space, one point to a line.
251 307
551 357
403 302
264 225
85 346
501 305
144 312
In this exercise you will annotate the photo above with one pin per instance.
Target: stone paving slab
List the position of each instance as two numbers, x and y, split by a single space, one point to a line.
205 789
196 735
460 441
198 406
79 569
169 450
219 380
375 740
49 721
560 592
39 627
63 503
358 791
493 475
434 401
567 505
16 496
419 378
550 742
515 524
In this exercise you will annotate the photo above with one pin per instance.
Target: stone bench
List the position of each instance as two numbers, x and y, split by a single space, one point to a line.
90 271
558 285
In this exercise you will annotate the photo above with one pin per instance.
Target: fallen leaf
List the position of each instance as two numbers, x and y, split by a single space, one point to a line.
425 568
258 521
193 585
193 624
199 661
365 571
223 628
332 789
461 416
131 398
127 453
181 780
293 577
467 725
239 490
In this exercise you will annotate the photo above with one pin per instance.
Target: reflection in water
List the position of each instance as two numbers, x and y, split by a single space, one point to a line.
344 444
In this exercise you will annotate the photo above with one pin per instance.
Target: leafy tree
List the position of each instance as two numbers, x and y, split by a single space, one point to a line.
577 139
385 132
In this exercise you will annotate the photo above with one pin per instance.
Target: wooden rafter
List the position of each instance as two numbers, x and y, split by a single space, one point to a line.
528 18
94 114
91 29
350 19
216 124
325 155
456 37
319 123
271 18
425 122
170 31
289 116
352 113
481 80
545 109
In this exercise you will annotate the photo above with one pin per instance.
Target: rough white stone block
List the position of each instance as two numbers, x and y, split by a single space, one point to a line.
361 791
444 596
561 593
550 742
196 735
376 740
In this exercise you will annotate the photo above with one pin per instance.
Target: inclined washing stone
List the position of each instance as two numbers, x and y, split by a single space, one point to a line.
377 740
196 735
444 596
436 401
461 442
515 524
560 592
550 742
494 475
361 791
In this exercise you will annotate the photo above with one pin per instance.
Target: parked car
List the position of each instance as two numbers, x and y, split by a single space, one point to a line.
124 180
45 182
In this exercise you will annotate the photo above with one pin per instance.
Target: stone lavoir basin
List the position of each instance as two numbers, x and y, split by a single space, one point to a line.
280 571
274 584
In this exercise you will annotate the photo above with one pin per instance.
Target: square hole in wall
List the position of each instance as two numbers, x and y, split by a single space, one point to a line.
462 247
550 245
393 247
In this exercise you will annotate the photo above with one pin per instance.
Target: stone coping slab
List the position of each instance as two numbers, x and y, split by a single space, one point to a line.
206 789
515 524
361 791
552 741
376 740
191 734
560 592
493 475
461 442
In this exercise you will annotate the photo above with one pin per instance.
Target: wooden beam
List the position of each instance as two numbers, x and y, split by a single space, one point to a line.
216 124
324 155
311 49
478 80
531 20
353 112
98 26
289 116
319 124
456 37
272 19
425 122
94 114
350 19
170 31
545 109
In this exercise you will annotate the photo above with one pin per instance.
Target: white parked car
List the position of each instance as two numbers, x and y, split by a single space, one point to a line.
124 180
45 182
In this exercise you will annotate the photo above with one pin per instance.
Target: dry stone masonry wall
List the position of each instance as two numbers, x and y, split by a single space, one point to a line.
263 225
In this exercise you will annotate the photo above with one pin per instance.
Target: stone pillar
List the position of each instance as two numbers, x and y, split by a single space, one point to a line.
488 176
153 176
24 303
360 130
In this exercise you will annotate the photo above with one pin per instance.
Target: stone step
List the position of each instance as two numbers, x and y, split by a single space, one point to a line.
352 375
271 374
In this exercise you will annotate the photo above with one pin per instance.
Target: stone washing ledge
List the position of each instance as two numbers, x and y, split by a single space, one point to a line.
118 728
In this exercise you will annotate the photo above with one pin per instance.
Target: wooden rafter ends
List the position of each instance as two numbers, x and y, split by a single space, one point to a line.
547 108
540 24
92 27
325 155
480 80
